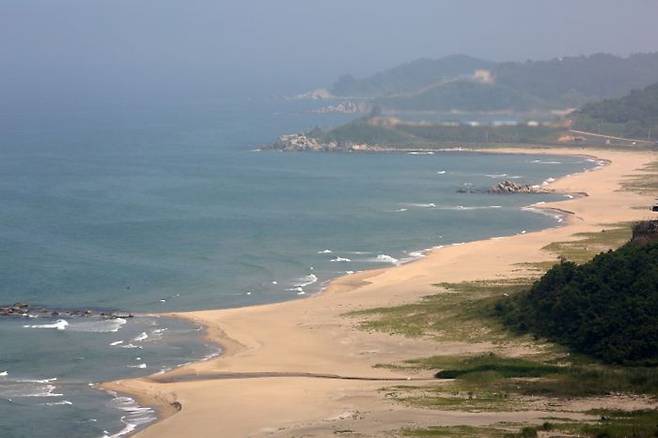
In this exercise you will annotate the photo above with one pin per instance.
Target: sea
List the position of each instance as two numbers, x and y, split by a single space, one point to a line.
147 208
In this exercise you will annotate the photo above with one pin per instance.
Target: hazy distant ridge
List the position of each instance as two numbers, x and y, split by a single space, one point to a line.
465 83
634 115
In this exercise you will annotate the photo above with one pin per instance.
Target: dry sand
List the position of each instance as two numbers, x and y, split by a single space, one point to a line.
290 348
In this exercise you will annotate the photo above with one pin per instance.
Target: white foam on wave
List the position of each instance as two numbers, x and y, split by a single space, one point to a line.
400 210
423 205
420 153
340 259
112 344
4 374
28 388
441 172
325 251
545 162
131 345
59 403
470 207
135 416
141 365
60 324
306 280
497 175
141 337
385 258
98 326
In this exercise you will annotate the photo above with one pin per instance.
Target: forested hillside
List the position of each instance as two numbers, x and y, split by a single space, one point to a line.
635 115
606 308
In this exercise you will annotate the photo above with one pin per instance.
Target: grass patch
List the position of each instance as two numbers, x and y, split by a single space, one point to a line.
612 424
454 431
647 183
504 367
590 244
462 313
493 383
471 431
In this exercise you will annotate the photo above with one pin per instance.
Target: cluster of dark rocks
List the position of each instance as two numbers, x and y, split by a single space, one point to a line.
505 187
508 186
24 310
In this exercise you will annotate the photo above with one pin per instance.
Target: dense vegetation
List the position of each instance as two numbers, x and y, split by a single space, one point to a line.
562 82
606 308
635 115
467 95
414 135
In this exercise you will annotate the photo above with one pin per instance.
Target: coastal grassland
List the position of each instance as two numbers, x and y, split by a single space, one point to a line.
461 311
646 183
501 430
457 431
491 383
589 245
610 424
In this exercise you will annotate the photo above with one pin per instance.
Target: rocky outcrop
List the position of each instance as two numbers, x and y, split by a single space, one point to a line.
301 142
26 310
508 186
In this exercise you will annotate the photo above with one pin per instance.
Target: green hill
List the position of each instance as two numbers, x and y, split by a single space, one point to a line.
606 308
633 116
410 77
573 81
465 95
558 83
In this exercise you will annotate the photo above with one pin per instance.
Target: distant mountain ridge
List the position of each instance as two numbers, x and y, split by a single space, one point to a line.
461 82
409 77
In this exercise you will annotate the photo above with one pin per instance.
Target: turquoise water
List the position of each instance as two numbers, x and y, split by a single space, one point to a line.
147 210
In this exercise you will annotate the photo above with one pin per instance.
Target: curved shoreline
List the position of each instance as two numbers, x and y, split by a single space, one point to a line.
243 346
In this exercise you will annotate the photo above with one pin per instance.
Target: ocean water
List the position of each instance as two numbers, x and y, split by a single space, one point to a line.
149 209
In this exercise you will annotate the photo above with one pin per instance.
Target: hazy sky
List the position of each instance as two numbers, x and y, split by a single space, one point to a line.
51 49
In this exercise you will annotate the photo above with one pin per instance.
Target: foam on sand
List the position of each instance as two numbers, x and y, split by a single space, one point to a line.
134 416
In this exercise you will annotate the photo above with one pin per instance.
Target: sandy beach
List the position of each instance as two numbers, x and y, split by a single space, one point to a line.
302 368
